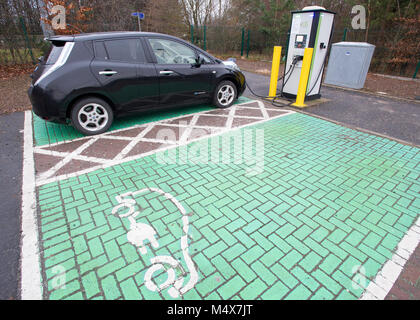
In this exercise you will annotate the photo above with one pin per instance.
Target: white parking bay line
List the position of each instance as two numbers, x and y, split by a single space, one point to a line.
31 288
380 287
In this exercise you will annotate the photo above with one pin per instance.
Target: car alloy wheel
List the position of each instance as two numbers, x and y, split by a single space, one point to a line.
225 95
93 117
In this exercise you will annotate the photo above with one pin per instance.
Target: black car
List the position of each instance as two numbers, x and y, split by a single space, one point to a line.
91 78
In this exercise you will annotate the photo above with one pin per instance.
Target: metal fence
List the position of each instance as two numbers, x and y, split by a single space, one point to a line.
223 40
21 49
228 40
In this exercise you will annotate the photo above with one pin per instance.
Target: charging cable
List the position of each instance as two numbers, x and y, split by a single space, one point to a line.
272 99
319 74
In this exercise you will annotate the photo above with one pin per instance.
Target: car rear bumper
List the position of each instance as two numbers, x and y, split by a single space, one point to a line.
41 107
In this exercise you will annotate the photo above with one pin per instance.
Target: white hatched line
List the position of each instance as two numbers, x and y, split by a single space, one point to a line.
245 103
134 142
275 109
189 128
31 288
263 110
67 159
103 135
231 115
214 128
108 134
52 153
270 107
208 127
118 138
158 141
64 142
227 115
136 157
215 115
184 136
379 288
76 157
43 149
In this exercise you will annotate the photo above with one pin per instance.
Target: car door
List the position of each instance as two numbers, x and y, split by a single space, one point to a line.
121 67
181 80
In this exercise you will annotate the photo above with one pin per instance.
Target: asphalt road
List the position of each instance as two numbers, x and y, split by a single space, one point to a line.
397 119
11 153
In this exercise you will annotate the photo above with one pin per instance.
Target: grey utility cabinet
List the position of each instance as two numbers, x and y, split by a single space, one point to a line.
349 64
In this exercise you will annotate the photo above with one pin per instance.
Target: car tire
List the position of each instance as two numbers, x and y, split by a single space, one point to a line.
225 94
92 116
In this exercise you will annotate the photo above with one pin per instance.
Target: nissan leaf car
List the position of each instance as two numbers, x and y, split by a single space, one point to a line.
89 79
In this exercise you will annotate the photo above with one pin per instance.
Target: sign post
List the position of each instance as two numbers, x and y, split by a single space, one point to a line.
140 16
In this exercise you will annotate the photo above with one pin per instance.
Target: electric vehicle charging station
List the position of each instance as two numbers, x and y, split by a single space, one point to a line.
310 28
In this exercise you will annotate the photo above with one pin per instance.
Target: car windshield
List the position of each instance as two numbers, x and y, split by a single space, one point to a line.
172 52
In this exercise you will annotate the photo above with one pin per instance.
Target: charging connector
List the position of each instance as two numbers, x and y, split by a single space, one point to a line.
296 59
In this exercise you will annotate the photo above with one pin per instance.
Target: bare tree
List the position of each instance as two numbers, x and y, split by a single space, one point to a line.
15 17
165 16
198 12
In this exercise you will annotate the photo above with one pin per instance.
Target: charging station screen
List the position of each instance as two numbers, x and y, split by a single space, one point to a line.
300 41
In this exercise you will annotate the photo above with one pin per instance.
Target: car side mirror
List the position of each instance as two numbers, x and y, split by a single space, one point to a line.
41 59
199 61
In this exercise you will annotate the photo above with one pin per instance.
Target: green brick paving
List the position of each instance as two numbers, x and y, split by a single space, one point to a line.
48 132
329 199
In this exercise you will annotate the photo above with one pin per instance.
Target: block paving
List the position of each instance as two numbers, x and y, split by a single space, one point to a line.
329 200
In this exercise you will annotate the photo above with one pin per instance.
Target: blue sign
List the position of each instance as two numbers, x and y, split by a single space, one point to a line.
138 14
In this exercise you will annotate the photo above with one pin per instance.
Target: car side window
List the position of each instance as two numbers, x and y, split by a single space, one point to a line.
100 52
172 52
127 50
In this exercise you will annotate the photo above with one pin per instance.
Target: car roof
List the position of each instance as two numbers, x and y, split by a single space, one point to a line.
119 34
104 35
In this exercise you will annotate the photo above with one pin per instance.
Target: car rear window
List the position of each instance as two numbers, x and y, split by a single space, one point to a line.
128 50
54 52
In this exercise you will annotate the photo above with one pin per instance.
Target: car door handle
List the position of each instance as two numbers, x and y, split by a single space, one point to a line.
107 73
166 72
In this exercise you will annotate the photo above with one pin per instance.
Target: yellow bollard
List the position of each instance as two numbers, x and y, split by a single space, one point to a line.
304 76
275 67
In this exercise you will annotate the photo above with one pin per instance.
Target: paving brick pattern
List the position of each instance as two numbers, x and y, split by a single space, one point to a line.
329 199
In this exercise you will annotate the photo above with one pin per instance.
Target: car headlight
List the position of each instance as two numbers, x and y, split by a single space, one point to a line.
231 65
